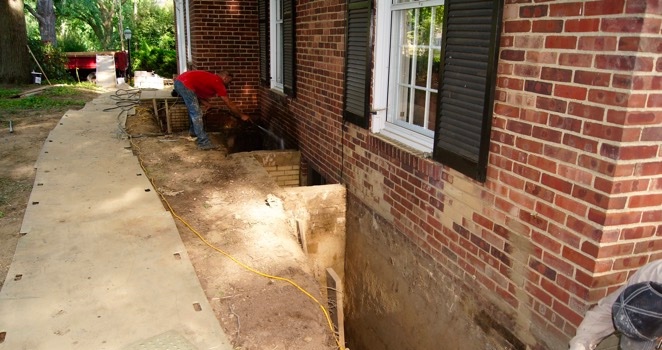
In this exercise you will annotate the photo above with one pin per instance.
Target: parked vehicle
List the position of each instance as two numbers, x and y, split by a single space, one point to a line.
83 65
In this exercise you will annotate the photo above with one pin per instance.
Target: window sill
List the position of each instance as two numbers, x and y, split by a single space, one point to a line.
407 138
397 144
277 91
279 96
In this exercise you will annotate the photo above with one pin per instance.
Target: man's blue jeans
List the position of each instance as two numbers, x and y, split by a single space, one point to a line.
194 113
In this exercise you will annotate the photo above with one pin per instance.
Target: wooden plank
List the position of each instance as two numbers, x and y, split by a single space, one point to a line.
167 113
301 230
335 303
31 92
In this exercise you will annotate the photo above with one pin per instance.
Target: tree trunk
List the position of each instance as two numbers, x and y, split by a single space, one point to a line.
46 11
15 61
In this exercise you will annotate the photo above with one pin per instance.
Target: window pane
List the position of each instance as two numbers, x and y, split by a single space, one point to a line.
406 66
419 107
276 44
422 63
403 104
279 55
432 108
279 42
437 25
436 63
409 23
423 26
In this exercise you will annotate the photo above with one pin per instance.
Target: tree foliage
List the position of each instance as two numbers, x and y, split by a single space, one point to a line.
154 39
74 38
155 25
51 59
98 15
97 25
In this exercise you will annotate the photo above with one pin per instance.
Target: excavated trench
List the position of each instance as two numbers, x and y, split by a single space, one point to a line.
390 287
318 210
242 136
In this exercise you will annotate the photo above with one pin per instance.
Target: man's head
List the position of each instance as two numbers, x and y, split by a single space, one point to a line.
637 314
226 76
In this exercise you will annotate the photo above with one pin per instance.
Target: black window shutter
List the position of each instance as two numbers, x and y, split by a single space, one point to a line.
289 53
469 62
263 27
358 61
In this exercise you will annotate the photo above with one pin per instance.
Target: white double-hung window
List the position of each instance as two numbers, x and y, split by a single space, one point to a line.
407 61
276 52
276 29
430 81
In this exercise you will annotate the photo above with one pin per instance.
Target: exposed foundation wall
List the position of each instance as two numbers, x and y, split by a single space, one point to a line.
319 215
571 203
400 298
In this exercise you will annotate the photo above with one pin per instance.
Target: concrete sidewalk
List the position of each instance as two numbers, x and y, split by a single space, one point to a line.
100 264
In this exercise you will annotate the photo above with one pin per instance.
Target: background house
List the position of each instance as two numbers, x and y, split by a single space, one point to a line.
494 193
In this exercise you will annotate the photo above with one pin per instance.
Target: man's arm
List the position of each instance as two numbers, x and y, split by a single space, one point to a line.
204 104
597 323
234 109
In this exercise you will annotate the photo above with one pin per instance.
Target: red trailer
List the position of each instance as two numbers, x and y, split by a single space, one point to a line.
83 65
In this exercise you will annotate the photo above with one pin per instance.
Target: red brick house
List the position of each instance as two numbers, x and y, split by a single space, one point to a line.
502 158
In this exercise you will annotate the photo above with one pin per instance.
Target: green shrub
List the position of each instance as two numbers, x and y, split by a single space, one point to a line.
70 43
51 59
153 59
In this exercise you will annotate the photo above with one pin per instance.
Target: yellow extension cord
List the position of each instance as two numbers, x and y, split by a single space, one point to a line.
172 211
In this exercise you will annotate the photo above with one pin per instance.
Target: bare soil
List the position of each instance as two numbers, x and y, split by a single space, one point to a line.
237 234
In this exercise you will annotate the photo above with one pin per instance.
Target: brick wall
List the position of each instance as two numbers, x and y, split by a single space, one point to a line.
316 129
571 204
572 201
575 158
224 36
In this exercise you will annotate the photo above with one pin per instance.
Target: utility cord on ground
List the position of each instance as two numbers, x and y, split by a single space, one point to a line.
129 95
125 100
238 262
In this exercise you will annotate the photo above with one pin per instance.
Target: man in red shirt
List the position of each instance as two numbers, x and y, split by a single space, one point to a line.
196 87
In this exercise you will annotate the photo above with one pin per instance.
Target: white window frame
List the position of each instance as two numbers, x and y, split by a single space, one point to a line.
382 104
276 47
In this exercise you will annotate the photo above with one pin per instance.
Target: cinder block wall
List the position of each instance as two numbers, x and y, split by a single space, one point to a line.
178 117
571 205
282 166
224 36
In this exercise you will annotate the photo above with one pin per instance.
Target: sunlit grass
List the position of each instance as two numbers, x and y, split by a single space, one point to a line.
61 96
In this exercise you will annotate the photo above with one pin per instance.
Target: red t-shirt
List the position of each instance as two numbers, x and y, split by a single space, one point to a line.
204 84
